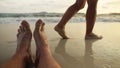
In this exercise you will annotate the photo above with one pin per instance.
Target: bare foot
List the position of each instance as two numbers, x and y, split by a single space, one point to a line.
44 57
24 37
39 34
61 32
93 36
40 39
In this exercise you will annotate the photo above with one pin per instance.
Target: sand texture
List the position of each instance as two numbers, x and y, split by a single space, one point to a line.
75 52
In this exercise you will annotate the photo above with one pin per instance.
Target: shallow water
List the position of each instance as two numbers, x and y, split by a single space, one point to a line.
54 18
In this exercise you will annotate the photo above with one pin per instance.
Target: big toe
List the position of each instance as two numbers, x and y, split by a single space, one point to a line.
25 25
39 24
42 28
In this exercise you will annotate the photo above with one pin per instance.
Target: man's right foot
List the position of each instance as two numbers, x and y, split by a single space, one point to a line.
61 32
41 41
39 34
44 57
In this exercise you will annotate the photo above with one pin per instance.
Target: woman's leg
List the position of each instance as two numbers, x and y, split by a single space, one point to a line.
60 27
90 19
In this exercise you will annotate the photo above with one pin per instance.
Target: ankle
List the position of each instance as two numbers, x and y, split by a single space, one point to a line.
60 26
89 34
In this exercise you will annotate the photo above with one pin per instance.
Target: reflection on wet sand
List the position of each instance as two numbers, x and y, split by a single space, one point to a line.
88 57
69 61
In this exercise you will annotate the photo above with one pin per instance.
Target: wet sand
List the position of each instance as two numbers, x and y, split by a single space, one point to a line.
74 52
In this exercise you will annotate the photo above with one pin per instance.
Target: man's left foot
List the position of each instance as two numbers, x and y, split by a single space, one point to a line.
93 36
24 37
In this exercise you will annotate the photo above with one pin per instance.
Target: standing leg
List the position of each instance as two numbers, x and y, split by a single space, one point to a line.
23 46
44 57
91 18
60 27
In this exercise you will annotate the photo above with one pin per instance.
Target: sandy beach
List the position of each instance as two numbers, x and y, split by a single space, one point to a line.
75 52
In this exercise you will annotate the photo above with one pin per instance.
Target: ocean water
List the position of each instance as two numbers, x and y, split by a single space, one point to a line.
15 18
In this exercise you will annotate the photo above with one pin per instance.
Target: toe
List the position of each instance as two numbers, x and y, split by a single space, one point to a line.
25 25
93 37
18 32
100 37
38 24
42 28
22 28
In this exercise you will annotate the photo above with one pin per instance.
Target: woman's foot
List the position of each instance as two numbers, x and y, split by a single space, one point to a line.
92 36
61 32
